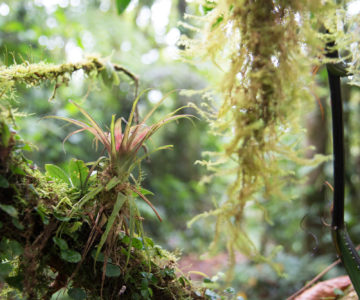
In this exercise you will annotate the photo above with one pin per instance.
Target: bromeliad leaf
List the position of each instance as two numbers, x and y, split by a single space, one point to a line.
120 200
57 173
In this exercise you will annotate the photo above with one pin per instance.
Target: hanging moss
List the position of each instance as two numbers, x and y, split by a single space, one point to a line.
266 52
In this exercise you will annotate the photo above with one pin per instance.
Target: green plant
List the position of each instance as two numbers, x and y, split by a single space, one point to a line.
122 147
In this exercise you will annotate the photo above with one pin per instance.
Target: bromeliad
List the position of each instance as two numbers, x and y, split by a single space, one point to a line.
121 145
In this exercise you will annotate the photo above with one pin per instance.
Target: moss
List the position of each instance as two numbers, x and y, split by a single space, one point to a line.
265 51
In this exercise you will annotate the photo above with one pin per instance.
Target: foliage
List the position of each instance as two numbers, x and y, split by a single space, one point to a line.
51 222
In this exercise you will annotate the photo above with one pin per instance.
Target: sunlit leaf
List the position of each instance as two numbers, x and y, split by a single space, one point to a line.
57 173
78 173
137 243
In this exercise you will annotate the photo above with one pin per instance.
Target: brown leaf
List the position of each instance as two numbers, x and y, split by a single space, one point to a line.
325 289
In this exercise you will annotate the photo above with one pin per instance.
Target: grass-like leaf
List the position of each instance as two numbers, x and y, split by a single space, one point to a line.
120 200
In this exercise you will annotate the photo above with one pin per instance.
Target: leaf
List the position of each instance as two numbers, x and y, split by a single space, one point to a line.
112 270
57 173
78 173
121 5
61 243
137 243
60 217
3 182
113 182
15 248
120 200
5 269
132 207
77 294
17 224
325 289
149 242
75 226
10 210
90 195
71 256
17 170
41 212
10 249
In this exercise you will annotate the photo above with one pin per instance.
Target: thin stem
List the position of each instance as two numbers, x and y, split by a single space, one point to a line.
338 143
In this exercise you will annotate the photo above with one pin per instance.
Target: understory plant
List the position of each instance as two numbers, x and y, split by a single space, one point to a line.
77 229
122 147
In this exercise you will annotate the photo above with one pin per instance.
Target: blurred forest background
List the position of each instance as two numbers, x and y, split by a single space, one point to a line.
144 40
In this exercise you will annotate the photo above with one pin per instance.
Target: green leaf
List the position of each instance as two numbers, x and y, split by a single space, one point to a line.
78 173
17 224
112 270
10 249
57 173
120 200
5 269
149 242
60 217
61 243
121 5
71 256
137 243
15 248
10 210
77 294
113 182
3 182
17 170
41 212
75 226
